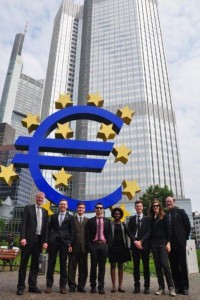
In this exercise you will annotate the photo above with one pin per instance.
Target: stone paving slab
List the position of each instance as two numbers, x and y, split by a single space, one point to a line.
8 281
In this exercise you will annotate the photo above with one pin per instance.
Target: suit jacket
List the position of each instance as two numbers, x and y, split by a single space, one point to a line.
29 224
144 233
181 225
92 229
65 234
80 240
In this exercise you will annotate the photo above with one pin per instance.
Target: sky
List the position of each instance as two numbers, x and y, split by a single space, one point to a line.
180 23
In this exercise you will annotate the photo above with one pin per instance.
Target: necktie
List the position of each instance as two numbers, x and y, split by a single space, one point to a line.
61 219
80 219
170 221
39 220
138 225
99 229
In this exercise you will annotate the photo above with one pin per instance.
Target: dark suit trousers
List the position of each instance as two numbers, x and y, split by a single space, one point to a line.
34 249
144 255
160 257
99 254
53 251
77 259
178 264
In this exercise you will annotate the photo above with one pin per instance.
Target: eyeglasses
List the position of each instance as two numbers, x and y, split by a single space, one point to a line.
156 205
99 207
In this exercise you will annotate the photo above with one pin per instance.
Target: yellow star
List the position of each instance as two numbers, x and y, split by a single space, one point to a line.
63 131
130 188
95 100
61 178
121 153
31 122
47 207
126 114
106 132
63 101
8 174
126 212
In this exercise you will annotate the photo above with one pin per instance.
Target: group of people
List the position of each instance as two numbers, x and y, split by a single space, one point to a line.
73 237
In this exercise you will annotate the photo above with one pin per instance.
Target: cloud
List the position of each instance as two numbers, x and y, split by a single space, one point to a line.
180 22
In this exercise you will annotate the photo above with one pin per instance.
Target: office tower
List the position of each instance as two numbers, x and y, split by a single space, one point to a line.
62 57
63 64
21 191
7 134
122 57
115 48
21 93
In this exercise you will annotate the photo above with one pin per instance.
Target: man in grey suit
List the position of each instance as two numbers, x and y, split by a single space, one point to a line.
33 237
79 255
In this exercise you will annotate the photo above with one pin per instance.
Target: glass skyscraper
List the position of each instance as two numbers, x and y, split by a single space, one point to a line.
121 56
21 94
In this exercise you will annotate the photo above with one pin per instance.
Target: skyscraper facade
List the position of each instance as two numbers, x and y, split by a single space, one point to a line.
21 94
121 56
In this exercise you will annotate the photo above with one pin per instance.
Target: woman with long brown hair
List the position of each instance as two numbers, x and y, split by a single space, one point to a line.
160 245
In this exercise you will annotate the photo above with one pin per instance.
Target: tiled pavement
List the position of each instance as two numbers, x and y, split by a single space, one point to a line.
8 282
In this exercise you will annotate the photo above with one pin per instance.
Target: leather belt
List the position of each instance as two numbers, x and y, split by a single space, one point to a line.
99 242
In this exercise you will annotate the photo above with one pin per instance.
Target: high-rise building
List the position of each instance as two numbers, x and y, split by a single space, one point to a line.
21 93
118 52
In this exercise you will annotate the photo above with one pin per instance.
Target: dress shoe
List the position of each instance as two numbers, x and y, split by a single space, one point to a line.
146 291
178 291
81 290
185 292
19 292
63 291
136 290
93 290
35 290
48 290
101 291
72 290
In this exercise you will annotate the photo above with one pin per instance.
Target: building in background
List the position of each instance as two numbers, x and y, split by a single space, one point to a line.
21 93
196 227
63 64
115 48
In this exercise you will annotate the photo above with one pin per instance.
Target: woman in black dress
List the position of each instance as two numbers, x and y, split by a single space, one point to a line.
119 251
160 245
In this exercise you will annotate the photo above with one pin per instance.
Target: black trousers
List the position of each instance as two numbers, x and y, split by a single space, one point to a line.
144 255
32 250
79 260
54 249
160 257
178 264
99 254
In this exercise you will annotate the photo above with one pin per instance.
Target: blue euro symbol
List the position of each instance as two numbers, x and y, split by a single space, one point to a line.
39 143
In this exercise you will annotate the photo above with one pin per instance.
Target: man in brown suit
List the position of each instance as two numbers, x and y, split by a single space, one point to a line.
79 255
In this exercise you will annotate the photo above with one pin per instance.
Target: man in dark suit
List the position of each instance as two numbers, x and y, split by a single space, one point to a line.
61 239
140 228
180 230
99 240
79 255
33 236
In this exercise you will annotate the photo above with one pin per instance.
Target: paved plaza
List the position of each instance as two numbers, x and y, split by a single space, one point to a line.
8 281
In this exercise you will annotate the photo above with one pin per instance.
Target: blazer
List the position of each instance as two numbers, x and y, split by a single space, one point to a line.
65 234
92 229
181 225
29 224
80 240
144 233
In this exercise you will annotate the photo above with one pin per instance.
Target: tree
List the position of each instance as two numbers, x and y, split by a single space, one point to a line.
155 192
